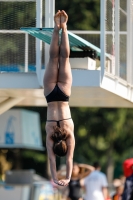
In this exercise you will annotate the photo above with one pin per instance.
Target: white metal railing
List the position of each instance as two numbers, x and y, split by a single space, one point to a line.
115 33
39 47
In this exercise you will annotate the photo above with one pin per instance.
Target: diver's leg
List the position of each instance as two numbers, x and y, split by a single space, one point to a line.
51 71
65 76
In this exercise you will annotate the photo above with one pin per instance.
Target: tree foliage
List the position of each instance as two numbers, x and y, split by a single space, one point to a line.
83 15
103 133
100 133
14 15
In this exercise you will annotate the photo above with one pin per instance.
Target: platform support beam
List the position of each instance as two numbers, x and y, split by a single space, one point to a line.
38 42
9 103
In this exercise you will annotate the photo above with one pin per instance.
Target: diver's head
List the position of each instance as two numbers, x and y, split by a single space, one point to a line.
59 139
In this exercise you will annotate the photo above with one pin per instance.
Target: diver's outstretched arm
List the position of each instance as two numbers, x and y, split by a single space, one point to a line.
52 158
69 160
69 157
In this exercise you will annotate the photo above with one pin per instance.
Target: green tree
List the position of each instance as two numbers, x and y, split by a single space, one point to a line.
103 134
83 15
14 15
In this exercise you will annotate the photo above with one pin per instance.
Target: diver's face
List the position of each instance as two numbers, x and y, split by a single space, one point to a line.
75 170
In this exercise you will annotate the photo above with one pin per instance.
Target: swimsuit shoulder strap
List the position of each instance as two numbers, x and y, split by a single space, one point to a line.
65 119
58 122
51 121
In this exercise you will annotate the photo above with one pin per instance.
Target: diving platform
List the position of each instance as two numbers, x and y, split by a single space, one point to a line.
78 46
102 74
83 54
87 90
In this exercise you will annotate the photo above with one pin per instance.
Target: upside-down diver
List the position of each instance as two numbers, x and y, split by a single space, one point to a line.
60 139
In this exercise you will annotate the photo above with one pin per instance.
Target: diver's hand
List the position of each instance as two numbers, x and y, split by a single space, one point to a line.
62 182
56 182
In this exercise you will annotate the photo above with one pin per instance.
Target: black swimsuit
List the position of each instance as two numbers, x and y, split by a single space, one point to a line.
56 95
58 122
74 189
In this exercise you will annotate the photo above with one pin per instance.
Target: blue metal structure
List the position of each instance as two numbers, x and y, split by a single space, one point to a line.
76 43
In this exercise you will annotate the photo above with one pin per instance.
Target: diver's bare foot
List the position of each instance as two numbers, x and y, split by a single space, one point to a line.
63 20
57 19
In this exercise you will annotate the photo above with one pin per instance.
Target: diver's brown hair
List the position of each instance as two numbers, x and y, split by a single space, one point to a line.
59 137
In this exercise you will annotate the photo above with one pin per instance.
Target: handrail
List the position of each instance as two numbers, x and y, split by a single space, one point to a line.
73 31
78 32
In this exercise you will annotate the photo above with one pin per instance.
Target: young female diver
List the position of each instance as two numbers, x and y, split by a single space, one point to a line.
60 139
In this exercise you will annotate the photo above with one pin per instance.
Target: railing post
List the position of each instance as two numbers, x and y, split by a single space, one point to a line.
129 47
26 52
102 36
38 42
132 42
117 38
49 22
129 41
